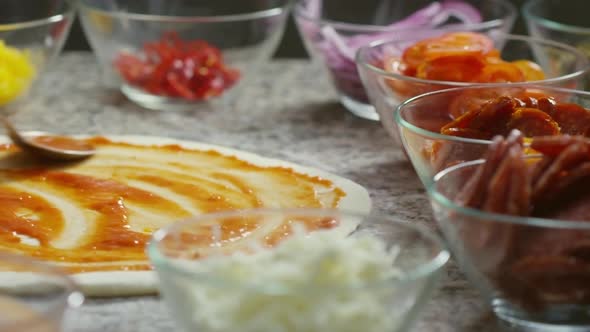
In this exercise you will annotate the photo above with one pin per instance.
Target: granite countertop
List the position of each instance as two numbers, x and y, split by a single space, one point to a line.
287 112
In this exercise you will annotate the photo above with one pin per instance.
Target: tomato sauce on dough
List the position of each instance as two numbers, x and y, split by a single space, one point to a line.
98 215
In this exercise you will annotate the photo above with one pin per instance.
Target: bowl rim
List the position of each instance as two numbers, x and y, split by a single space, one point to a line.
283 9
439 198
581 57
299 12
66 13
72 297
401 122
527 13
423 270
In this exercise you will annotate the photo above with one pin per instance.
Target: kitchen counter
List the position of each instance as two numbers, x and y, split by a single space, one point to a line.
288 112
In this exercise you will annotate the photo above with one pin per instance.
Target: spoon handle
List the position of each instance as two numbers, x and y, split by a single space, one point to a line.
11 131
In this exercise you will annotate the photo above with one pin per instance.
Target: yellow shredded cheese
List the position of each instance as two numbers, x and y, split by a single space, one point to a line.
16 73
313 283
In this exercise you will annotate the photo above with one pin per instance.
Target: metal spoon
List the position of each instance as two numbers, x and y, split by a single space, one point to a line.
47 145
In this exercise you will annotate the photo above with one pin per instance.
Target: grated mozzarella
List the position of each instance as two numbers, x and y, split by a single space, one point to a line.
309 283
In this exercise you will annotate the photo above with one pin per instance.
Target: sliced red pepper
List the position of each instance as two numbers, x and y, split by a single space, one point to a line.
173 67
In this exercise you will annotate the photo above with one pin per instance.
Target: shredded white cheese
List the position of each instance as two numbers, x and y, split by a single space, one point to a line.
309 283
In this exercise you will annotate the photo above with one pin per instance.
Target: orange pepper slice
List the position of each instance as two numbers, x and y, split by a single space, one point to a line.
531 70
459 43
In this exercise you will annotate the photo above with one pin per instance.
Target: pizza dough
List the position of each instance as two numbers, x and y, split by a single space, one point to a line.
93 218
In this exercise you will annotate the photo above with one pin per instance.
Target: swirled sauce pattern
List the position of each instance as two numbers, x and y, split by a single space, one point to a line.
97 215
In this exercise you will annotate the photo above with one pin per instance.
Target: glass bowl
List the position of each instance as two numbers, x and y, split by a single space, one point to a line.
177 54
393 303
512 261
32 34
34 296
323 24
420 119
562 21
564 66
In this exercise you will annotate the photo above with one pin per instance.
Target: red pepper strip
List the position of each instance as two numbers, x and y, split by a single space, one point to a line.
180 88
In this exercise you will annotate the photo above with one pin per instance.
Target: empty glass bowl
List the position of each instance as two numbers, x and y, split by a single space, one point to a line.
268 304
32 34
34 296
333 30
175 54
420 119
517 262
564 66
563 21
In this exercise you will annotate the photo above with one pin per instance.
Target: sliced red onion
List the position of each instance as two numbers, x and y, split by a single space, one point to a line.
338 42
432 16
422 17
339 51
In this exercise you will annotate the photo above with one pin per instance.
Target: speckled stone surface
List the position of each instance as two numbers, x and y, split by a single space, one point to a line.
289 111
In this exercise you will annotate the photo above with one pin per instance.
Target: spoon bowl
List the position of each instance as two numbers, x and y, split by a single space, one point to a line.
49 146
